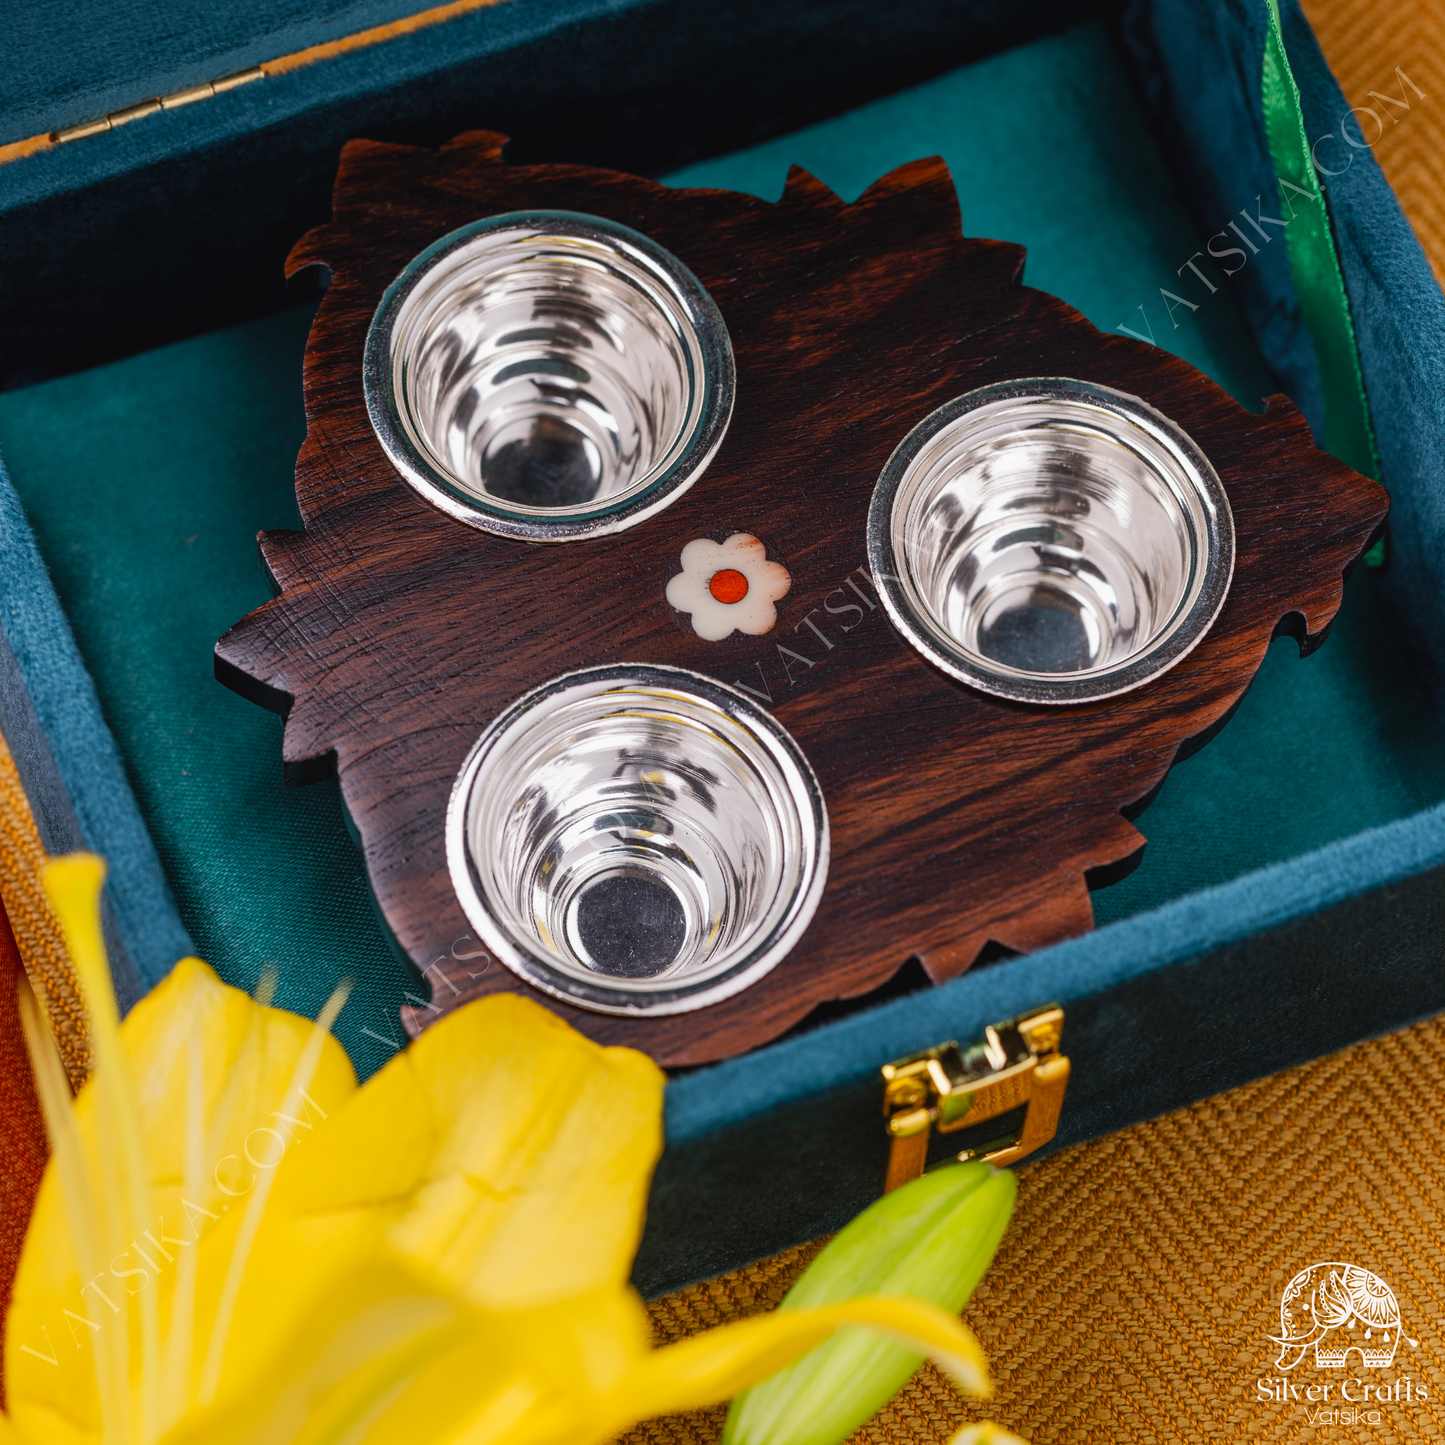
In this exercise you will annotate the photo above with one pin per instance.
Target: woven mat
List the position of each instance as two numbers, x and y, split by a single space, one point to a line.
1364 41
36 931
1135 1292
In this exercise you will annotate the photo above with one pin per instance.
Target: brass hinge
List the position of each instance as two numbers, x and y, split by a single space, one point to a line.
1016 1063
173 101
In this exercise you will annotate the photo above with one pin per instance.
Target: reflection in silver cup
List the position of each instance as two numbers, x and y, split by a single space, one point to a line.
1051 540
637 839
549 376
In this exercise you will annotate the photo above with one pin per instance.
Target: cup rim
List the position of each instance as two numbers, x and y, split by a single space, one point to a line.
636 998
717 384
1216 555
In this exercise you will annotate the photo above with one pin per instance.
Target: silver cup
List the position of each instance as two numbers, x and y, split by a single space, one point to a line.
637 839
1050 540
548 376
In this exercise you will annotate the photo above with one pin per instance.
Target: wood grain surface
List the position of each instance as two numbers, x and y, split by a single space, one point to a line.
958 820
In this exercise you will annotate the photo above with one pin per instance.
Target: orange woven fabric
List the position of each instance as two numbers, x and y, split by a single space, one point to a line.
23 1149
1364 41
42 949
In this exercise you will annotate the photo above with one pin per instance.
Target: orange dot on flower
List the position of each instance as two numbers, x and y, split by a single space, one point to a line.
729 585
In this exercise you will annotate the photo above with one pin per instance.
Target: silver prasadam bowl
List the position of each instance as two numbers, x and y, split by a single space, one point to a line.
548 376
637 839
1050 540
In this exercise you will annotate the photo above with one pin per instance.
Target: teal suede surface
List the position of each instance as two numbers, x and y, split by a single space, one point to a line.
147 480
1047 148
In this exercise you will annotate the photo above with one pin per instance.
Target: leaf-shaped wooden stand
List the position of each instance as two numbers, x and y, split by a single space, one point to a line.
957 819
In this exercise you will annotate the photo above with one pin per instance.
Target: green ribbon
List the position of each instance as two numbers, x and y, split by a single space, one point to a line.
1314 264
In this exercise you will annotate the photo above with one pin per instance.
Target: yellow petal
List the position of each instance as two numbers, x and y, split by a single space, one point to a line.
715 1366
518 1160
522 1374
986 1433
199 1059
515 1174
504 1158
518 1378
331 1366
113 1171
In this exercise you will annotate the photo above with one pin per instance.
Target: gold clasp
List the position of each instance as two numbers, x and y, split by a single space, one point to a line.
1016 1063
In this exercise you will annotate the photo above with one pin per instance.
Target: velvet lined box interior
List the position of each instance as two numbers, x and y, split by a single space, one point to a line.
146 480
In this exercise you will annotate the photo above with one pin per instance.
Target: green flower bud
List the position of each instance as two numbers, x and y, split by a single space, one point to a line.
932 1239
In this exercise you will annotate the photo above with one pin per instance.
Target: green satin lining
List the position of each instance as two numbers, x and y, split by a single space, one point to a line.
1314 265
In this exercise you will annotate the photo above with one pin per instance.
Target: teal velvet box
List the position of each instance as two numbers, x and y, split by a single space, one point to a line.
1292 898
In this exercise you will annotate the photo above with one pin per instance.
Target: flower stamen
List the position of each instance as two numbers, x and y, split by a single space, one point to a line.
256 1204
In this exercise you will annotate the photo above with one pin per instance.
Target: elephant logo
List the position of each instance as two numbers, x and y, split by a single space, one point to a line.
1339 1308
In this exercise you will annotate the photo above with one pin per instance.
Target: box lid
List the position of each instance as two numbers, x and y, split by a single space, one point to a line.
107 56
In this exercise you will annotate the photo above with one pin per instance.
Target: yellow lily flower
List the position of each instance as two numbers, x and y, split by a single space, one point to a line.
234 1243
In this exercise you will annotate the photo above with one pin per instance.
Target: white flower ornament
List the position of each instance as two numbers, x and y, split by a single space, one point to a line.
729 586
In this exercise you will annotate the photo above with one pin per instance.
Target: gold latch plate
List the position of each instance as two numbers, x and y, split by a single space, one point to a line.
1016 1064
